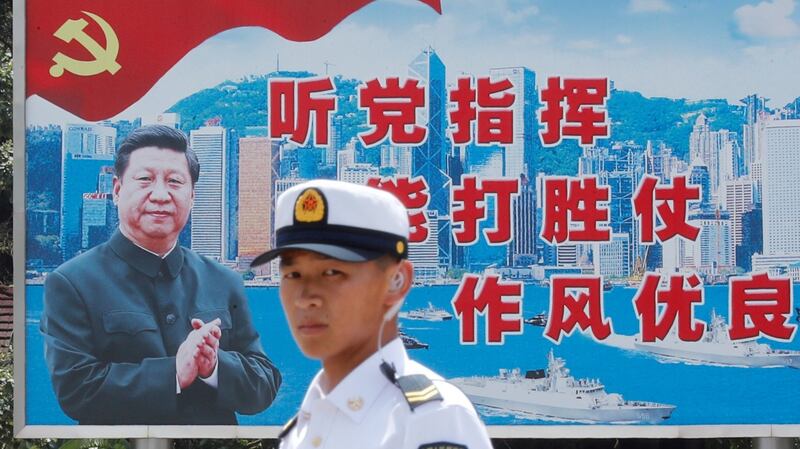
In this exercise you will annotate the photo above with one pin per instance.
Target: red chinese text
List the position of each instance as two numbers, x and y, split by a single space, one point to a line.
761 306
585 117
576 301
292 104
468 209
658 309
503 315
495 118
391 111
413 193
572 211
671 208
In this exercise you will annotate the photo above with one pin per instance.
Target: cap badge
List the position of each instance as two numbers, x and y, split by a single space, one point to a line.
309 207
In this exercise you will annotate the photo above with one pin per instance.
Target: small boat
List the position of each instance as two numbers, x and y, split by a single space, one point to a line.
607 285
540 319
412 342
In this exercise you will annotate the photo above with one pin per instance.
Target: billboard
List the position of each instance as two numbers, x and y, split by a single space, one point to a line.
603 212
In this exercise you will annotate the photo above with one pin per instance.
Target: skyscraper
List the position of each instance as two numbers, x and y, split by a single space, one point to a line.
425 255
737 198
99 219
520 155
755 107
612 259
428 158
781 195
87 151
255 198
89 139
209 214
523 245
717 150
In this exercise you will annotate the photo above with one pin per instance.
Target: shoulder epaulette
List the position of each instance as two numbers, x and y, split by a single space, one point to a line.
288 427
418 389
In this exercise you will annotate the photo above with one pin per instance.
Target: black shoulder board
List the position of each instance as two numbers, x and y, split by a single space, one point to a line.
288 427
442 445
418 389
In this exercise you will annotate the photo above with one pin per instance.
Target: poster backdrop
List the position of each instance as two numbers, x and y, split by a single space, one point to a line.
603 195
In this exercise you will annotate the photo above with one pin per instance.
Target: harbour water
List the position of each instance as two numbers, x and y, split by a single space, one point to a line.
702 394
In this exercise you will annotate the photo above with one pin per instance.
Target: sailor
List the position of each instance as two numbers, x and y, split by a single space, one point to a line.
344 275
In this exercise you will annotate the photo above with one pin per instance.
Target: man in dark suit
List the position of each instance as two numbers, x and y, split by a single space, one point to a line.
139 330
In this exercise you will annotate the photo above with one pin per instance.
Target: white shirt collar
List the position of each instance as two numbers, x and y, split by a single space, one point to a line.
354 395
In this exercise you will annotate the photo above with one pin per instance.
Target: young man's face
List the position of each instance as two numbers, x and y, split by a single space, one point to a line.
334 308
154 196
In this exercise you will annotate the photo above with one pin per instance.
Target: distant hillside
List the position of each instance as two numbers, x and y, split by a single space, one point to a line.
634 117
638 118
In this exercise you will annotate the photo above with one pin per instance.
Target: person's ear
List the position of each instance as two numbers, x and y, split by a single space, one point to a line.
116 184
399 285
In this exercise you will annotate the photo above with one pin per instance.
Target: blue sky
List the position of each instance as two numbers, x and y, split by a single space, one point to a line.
678 49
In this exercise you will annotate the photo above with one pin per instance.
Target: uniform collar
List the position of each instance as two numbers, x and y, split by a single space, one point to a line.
145 261
356 393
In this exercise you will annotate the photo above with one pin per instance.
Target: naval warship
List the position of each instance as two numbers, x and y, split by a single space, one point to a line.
717 347
430 313
553 393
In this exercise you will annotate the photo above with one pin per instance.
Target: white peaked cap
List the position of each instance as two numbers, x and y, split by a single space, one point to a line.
345 221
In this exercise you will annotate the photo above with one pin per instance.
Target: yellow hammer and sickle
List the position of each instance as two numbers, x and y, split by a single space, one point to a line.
105 59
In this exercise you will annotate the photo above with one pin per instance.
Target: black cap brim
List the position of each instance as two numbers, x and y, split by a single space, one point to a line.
332 251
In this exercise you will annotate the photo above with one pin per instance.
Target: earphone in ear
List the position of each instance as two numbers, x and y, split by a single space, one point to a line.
397 282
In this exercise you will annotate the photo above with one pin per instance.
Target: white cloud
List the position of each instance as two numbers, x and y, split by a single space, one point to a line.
623 39
640 6
584 44
770 19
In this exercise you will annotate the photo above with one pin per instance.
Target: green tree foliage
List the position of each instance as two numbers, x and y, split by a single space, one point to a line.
6 145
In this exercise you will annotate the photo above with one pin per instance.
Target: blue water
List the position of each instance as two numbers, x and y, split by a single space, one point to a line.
702 394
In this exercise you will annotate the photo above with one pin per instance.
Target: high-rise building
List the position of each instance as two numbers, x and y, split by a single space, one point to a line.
209 214
255 198
345 158
567 255
359 173
612 259
89 139
87 154
617 168
429 158
712 251
755 108
737 199
717 150
99 219
425 255
523 245
698 176
520 155
752 228
659 161
781 196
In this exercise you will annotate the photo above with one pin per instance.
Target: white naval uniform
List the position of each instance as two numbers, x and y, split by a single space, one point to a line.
365 410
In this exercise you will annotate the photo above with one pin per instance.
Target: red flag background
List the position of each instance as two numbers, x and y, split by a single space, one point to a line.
151 36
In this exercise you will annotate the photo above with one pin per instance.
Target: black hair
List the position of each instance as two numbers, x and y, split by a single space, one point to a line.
159 136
